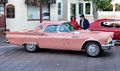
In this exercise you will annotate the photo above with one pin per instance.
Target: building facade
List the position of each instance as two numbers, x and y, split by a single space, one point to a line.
20 15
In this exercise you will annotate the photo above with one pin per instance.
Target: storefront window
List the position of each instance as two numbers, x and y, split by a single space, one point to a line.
33 12
10 11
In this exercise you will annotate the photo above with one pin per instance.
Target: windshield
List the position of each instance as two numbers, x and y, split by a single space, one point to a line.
67 27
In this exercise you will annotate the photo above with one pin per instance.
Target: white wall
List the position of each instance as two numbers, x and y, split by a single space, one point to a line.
108 14
54 11
20 21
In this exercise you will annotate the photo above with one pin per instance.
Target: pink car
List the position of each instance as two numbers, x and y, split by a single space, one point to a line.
62 35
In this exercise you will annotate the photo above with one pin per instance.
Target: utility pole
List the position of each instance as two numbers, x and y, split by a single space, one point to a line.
41 11
36 4
5 15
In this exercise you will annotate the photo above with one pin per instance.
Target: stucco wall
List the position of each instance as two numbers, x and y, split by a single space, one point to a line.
108 14
64 10
53 12
20 22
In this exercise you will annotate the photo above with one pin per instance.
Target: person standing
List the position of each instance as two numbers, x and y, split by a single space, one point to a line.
74 23
84 23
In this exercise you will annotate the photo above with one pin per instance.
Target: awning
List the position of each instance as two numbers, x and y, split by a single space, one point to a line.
32 2
3 1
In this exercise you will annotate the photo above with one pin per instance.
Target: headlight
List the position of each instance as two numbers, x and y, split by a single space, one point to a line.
109 41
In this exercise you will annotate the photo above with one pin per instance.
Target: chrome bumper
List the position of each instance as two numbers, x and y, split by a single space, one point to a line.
108 46
6 41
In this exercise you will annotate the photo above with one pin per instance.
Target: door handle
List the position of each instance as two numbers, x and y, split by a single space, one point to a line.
75 36
43 34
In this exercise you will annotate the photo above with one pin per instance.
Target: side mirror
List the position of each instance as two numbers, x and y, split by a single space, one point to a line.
43 34
41 27
76 32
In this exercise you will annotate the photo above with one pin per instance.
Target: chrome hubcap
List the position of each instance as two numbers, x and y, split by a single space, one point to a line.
93 49
30 47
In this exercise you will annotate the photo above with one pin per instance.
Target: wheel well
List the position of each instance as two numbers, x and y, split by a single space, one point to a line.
29 43
24 44
83 47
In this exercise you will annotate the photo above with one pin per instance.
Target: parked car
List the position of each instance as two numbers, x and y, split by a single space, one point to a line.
62 35
45 16
107 25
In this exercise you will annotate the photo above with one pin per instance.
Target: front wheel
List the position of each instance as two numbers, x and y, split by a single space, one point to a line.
93 49
31 48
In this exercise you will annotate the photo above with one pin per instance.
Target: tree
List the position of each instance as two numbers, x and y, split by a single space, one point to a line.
43 2
100 5
117 7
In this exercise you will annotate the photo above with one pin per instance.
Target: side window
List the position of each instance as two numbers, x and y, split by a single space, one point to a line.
51 29
106 24
64 28
111 24
70 26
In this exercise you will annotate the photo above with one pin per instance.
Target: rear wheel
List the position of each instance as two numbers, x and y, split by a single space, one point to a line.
31 48
93 49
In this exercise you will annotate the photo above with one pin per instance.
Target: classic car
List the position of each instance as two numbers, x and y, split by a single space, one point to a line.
107 25
62 35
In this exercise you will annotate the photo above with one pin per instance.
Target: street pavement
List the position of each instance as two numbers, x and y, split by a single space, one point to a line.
15 58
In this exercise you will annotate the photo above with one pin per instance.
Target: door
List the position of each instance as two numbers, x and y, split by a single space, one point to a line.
50 38
73 41
73 9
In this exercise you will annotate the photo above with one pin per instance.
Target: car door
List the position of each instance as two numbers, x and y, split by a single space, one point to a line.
71 40
50 38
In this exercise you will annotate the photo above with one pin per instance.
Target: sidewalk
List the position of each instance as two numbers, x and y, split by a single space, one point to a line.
2 39
2 36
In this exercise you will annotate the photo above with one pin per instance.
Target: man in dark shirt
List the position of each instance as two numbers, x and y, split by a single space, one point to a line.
84 23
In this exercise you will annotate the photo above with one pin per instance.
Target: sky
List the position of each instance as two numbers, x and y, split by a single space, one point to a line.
117 1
